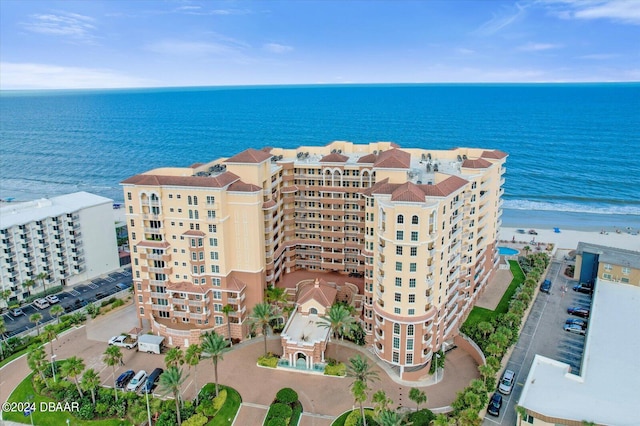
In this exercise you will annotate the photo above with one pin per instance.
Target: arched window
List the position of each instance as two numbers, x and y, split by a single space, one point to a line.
313 311
400 219
154 197
196 215
195 200
190 213
414 220
396 328
189 200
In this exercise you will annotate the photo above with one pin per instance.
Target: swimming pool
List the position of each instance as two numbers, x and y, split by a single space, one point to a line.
507 251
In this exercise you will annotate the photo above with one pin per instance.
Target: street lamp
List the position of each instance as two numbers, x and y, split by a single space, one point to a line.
53 365
148 410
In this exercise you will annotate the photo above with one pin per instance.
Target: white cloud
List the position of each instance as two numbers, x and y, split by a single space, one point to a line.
502 20
277 48
625 11
20 76
67 24
536 47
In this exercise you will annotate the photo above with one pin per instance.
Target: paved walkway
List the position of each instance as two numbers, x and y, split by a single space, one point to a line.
321 395
495 289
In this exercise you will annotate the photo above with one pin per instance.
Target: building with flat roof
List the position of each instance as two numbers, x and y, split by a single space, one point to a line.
607 263
415 227
606 392
68 239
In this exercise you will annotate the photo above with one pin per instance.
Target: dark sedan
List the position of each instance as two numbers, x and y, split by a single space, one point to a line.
545 287
124 379
578 312
494 404
583 288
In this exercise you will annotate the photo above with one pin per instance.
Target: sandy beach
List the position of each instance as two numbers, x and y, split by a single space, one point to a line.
569 239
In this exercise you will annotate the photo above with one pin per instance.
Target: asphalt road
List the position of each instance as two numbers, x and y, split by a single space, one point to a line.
543 334
72 298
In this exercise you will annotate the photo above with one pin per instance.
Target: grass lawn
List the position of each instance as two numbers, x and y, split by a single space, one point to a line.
340 420
52 418
228 412
478 314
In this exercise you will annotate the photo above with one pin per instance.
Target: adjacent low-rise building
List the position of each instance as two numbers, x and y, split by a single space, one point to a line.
595 261
415 227
56 241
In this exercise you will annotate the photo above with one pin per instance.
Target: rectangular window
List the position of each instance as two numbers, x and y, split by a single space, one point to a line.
396 357
129 196
412 267
414 235
399 250
211 214
606 276
214 255
213 228
399 266
217 307
409 344
398 282
210 199
213 242
219 320
399 235
626 271
409 358
215 269
412 311
607 267
396 311
397 297
217 294
215 282
412 283
412 298
414 251
396 343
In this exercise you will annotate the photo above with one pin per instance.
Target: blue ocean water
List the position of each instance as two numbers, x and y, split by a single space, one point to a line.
572 147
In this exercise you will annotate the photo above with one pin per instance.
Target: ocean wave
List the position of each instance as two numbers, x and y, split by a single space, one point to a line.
572 207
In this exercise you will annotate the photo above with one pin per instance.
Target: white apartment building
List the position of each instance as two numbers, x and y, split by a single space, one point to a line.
70 238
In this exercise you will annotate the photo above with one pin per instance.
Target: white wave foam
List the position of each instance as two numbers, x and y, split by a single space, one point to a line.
572 207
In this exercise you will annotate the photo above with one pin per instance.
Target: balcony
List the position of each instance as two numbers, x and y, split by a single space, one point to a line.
196 302
164 308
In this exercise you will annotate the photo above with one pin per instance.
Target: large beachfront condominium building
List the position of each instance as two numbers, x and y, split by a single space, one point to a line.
68 239
417 225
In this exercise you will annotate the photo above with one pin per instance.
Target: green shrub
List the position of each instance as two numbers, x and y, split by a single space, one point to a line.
354 418
277 421
268 361
118 302
287 396
219 400
279 410
85 412
196 420
335 370
423 417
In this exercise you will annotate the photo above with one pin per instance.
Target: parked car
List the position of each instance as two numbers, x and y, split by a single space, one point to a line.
574 328
152 380
506 382
583 288
124 378
52 299
545 287
16 312
494 404
41 303
576 321
137 381
579 311
122 286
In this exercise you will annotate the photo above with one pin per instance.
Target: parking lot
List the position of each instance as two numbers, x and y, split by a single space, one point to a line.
71 299
543 334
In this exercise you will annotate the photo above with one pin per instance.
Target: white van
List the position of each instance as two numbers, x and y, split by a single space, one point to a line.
137 381
41 303
506 383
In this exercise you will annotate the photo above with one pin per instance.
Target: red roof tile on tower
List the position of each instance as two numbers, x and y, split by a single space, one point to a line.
393 159
235 284
479 163
240 186
408 192
219 181
249 156
497 154
368 159
186 287
334 157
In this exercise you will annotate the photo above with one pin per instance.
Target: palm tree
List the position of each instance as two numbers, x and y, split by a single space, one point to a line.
485 328
261 317
113 357
36 360
226 310
28 284
56 311
418 396
443 420
90 381
50 335
500 339
3 329
382 402
174 357
73 367
360 369
36 318
359 391
276 296
42 276
493 350
214 345
192 358
171 381
526 250
486 372
338 320
4 295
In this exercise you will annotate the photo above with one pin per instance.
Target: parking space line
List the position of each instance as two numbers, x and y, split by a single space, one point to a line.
74 292
110 279
93 286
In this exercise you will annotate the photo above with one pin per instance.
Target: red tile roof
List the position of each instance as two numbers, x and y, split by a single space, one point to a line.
334 157
369 159
153 244
194 233
240 186
289 189
235 284
320 291
186 287
494 154
408 192
393 159
478 163
268 204
415 193
219 181
249 156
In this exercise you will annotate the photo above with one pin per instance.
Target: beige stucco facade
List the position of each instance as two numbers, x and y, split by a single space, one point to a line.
419 225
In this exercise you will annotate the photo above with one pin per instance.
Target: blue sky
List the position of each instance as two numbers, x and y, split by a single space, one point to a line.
96 44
